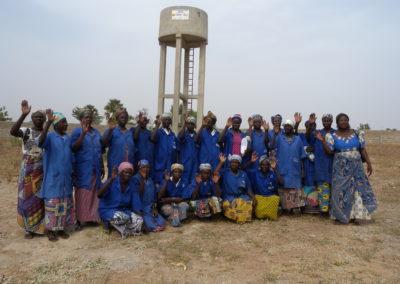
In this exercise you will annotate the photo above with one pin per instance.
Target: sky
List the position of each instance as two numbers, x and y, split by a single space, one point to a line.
263 56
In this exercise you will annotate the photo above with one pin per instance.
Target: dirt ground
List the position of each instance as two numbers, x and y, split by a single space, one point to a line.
293 249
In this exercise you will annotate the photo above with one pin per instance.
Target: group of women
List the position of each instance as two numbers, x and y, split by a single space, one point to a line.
154 175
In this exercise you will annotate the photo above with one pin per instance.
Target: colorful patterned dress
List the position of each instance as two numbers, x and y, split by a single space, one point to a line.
30 205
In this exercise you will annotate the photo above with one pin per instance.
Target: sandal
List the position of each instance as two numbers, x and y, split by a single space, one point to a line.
52 236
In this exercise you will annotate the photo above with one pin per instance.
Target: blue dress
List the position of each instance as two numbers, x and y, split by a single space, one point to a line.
57 166
290 155
265 185
235 186
206 189
114 200
323 162
87 160
145 147
188 155
209 149
309 166
121 148
181 189
271 135
258 146
148 199
164 153
228 143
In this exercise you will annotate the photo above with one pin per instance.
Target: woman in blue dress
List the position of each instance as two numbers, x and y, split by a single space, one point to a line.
207 139
352 195
323 161
258 138
153 221
188 149
144 145
120 204
119 141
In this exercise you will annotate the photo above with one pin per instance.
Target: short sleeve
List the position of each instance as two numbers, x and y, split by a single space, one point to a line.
330 141
46 141
361 138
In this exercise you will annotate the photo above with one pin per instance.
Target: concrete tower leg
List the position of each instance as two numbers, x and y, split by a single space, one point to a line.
202 70
177 83
161 82
185 84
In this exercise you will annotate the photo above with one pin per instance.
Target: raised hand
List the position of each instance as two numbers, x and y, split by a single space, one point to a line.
273 163
185 119
254 157
166 175
143 173
229 122
250 121
222 158
215 177
277 129
198 178
50 116
85 127
319 136
114 173
111 124
25 108
297 117
265 125
312 118
157 122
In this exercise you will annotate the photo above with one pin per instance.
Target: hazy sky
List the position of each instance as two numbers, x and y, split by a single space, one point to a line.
262 56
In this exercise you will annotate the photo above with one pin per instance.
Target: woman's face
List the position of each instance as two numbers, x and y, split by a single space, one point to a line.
264 166
210 123
234 165
327 123
236 124
257 124
88 118
288 129
176 174
343 122
205 174
191 126
61 126
122 119
145 169
166 122
38 119
126 175
277 122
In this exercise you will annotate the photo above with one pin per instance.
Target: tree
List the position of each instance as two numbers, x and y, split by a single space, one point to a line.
111 108
97 119
4 114
364 126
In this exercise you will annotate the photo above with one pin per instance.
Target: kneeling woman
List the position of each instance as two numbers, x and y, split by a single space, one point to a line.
236 191
120 202
206 192
173 195
265 182
148 197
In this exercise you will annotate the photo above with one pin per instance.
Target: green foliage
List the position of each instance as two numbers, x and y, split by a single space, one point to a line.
364 126
97 119
111 108
4 114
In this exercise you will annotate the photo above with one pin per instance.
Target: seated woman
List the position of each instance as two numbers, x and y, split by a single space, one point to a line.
206 192
120 202
173 195
148 197
265 182
238 198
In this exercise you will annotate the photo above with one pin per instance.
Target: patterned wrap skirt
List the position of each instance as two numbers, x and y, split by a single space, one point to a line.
30 207
87 203
267 207
207 207
127 225
59 213
175 212
291 198
239 210
310 196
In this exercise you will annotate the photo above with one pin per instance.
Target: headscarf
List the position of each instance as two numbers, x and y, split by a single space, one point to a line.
276 116
205 166
141 112
120 111
237 116
82 113
264 158
143 163
123 166
41 112
58 116
235 157
289 122
327 115
166 115
257 117
191 119
211 116
176 166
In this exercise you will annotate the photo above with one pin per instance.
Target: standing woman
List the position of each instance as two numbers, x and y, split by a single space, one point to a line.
259 137
88 168
144 145
231 137
238 198
352 196
153 221
188 149
164 140
276 130
207 139
323 162
120 142
57 181
30 204
290 153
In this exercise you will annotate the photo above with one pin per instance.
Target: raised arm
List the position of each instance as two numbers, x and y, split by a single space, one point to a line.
297 119
273 140
106 137
181 133
50 119
321 138
250 131
198 134
253 159
311 121
273 164
215 179
222 160
221 138
266 129
163 189
15 129
77 145
153 136
106 185
197 186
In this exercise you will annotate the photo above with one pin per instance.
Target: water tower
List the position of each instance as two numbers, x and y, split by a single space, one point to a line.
184 28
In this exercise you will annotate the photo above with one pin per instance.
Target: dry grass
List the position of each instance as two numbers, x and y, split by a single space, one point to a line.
305 249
